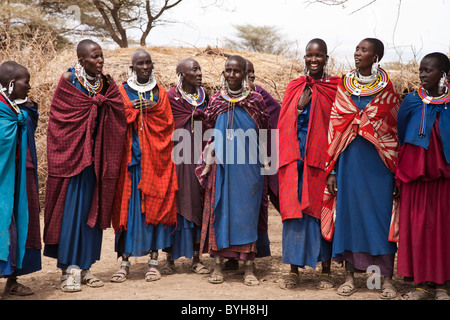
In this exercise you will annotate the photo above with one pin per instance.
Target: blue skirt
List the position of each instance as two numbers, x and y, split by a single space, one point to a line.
31 262
79 244
184 238
364 201
140 238
303 244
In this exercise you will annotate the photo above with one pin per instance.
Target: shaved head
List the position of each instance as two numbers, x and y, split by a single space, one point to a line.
9 71
139 53
83 45
184 64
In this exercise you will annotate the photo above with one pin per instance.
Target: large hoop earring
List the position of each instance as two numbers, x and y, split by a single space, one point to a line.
10 88
223 82
375 67
179 79
442 83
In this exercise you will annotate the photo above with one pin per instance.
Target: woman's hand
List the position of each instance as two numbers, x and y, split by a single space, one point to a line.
206 171
304 99
332 184
146 104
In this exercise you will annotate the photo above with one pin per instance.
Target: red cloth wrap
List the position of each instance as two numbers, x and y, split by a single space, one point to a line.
314 178
72 121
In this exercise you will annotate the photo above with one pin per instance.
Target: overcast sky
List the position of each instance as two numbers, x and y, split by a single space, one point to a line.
420 28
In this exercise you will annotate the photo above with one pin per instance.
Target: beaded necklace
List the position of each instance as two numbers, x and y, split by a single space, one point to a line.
84 78
427 99
232 98
142 97
352 85
196 100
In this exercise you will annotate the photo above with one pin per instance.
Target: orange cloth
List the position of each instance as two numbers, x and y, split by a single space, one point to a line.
159 180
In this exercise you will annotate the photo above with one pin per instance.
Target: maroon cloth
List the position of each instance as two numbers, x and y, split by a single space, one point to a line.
424 212
70 149
254 105
34 226
182 110
190 193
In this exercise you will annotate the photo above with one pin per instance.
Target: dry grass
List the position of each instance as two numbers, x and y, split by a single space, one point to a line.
46 66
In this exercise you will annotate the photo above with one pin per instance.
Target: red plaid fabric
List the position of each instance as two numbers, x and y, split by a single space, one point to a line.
377 123
71 125
314 179
159 180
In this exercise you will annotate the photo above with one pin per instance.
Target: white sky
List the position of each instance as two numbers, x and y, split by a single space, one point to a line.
422 25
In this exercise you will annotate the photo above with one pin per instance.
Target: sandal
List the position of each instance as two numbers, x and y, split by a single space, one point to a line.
388 291
90 280
325 282
18 289
122 274
168 268
152 274
216 278
200 268
69 284
346 289
441 294
290 281
250 280
416 294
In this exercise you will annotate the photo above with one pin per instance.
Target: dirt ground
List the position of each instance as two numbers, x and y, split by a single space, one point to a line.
185 285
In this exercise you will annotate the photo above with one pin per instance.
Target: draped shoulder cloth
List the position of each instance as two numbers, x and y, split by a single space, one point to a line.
377 123
73 118
159 180
323 93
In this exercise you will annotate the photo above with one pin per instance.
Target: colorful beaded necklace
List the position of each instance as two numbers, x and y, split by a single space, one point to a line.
83 78
427 99
232 99
353 87
196 99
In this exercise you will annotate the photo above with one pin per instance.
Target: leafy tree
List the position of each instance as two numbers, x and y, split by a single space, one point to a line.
24 20
115 17
259 39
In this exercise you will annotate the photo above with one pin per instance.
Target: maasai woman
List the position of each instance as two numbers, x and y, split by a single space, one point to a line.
19 255
423 172
362 150
303 127
234 186
85 138
188 100
270 188
145 205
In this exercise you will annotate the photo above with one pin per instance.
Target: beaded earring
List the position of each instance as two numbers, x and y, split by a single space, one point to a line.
375 67
10 88
179 79
442 83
